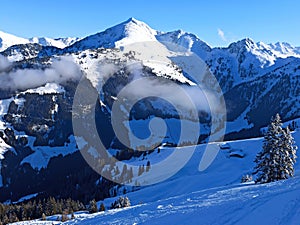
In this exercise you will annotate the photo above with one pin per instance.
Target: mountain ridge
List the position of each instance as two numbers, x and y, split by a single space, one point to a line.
126 29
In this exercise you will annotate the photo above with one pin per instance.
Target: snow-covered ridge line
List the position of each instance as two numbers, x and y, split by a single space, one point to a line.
8 40
133 30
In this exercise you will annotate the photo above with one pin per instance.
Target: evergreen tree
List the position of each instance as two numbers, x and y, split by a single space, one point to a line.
102 207
121 202
117 171
148 166
72 215
130 175
93 206
38 209
5 219
64 216
140 170
288 144
44 217
124 174
276 160
246 178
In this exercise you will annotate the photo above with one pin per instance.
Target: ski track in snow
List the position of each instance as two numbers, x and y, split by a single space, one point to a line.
236 205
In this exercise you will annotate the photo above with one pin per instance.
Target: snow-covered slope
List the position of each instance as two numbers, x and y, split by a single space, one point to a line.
8 40
57 42
275 203
186 40
282 49
213 196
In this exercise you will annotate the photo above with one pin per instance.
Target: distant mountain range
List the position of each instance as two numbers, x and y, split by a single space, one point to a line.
8 40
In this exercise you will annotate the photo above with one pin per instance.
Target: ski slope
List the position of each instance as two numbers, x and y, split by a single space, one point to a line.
275 203
213 196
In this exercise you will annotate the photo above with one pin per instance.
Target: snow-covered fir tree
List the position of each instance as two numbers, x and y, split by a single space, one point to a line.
276 160
288 144
121 202
93 206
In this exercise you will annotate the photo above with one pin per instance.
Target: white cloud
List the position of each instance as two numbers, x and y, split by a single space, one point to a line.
61 70
222 34
4 63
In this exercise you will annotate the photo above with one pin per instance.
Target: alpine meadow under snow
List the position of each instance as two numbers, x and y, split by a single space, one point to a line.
173 94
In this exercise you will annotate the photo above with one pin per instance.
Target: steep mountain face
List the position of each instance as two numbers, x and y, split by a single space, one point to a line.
37 142
264 96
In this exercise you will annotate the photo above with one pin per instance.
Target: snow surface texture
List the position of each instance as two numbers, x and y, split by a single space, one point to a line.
214 196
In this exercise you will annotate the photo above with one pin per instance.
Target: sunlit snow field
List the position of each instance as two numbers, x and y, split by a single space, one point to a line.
214 196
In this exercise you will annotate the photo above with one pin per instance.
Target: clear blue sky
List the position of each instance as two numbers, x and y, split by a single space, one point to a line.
267 21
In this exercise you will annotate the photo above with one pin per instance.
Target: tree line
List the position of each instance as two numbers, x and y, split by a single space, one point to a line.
30 210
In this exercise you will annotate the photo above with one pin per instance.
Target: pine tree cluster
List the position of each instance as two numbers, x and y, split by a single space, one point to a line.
10 213
276 160
93 207
121 203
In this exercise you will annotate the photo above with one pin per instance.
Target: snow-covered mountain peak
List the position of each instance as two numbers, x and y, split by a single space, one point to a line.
134 20
7 40
277 50
285 48
186 40
248 43
128 32
260 55
282 45
244 44
133 31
